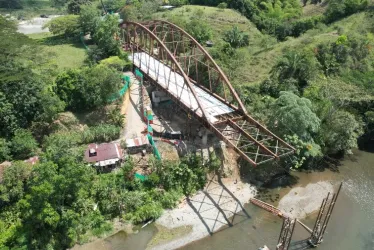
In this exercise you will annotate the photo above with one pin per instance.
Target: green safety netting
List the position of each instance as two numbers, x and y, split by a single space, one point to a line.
141 177
155 150
138 73
122 91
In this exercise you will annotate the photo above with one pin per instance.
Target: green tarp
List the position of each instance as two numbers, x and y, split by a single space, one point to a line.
141 177
155 150
122 91
138 73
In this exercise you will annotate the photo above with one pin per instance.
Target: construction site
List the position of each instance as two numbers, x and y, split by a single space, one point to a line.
172 112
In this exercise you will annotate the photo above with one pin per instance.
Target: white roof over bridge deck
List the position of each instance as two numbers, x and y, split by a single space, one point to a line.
162 73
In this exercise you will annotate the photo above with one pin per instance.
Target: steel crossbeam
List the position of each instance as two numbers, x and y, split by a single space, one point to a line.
175 62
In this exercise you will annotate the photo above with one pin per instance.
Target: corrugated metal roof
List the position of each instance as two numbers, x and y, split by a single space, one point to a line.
136 142
104 152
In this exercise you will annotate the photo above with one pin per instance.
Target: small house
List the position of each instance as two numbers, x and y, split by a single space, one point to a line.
104 155
137 145
209 43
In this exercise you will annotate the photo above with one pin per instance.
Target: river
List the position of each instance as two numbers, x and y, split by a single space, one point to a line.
351 225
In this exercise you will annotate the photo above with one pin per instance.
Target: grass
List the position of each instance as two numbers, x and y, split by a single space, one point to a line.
263 51
219 20
66 54
314 9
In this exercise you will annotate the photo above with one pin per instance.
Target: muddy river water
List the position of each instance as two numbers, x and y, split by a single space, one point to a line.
351 225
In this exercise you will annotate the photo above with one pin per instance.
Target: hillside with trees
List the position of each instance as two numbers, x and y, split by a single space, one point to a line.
305 69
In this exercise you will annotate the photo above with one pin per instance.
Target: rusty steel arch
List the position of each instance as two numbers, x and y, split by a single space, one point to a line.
139 42
185 49
181 67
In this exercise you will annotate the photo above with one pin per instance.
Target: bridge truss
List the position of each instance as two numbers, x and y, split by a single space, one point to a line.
176 63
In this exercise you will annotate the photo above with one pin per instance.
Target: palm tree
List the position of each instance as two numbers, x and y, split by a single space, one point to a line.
294 66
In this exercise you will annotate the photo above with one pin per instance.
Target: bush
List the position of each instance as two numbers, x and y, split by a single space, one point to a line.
113 62
64 25
150 211
236 38
74 6
88 88
341 8
199 30
222 5
23 144
101 133
4 150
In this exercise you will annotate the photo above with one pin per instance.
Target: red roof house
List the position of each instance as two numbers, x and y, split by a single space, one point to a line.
104 154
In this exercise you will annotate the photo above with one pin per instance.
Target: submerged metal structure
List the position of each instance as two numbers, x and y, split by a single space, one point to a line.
176 63
323 218
288 226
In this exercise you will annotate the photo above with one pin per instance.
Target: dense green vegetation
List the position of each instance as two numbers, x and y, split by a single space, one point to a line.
313 90
307 75
61 200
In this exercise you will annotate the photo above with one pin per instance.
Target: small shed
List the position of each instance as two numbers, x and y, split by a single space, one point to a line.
167 7
137 145
209 43
104 155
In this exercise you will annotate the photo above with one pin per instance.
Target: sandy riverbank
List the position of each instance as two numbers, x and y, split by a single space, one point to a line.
301 201
207 211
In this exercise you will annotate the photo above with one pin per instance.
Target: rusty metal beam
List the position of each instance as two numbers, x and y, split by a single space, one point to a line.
201 48
262 147
172 58
174 48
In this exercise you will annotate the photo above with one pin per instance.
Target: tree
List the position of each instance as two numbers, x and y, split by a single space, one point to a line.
236 38
114 5
25 95
129 13
13 182
222 5
11 4
337 9
23 144
59 3
89 18
64 25
74 6
294 65
199 30
340 132
88 88
293 115
106 36
4 150
8 121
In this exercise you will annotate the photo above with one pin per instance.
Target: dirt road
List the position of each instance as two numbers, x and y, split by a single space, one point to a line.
134 124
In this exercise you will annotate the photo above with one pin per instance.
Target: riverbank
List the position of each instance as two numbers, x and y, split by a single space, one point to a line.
207 212
300 202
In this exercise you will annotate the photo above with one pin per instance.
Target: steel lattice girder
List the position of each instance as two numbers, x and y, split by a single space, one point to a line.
196 61
154 48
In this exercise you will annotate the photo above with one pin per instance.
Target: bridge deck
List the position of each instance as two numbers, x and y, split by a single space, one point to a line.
174 82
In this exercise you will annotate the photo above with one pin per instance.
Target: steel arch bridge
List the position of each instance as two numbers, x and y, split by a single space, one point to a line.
175 62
